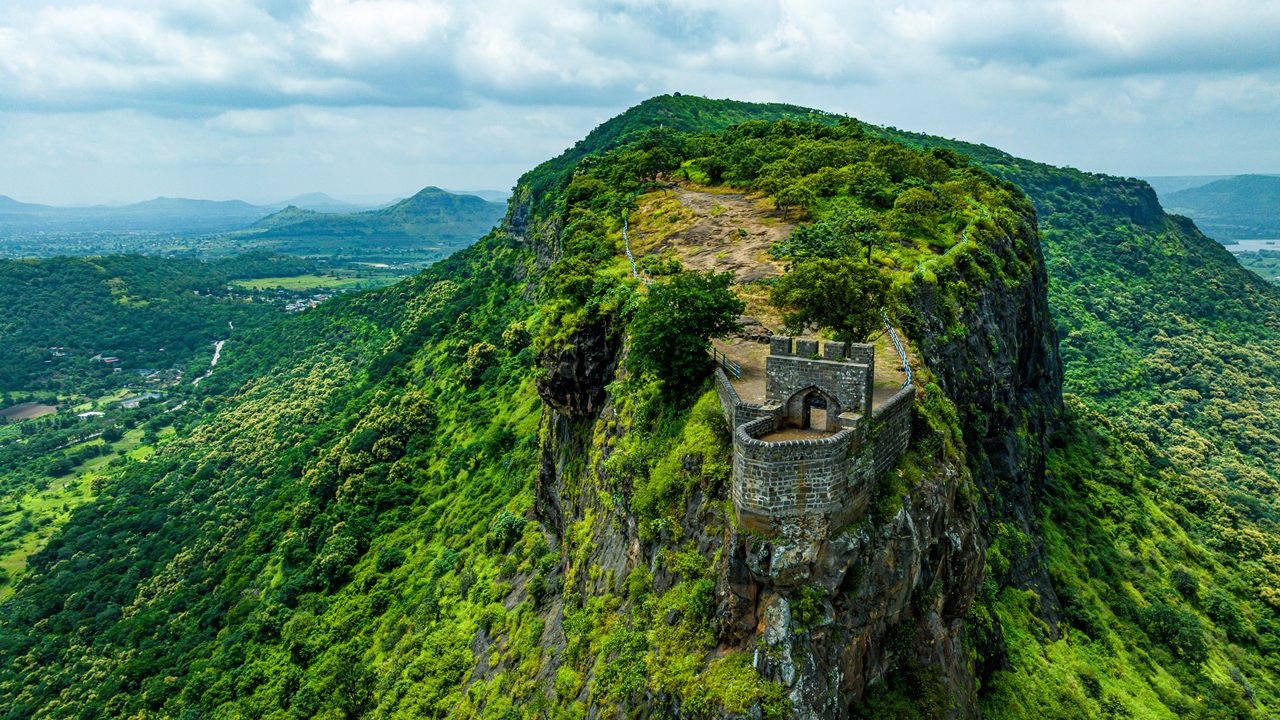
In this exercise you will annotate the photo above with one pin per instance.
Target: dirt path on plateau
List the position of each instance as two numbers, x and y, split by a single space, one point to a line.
731 233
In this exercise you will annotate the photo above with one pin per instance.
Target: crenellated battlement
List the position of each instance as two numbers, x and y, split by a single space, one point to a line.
815 445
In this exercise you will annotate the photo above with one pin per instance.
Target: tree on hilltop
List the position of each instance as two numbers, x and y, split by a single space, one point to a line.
672 330
841 295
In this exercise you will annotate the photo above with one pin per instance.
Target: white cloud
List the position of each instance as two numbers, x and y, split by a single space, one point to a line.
1248 93
507 83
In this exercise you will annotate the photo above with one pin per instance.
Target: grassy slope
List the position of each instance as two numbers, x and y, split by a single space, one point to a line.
347 494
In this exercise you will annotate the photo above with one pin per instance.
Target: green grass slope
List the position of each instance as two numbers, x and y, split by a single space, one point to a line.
342 531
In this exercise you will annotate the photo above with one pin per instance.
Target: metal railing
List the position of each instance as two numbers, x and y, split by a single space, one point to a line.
897 345
729 366
626 241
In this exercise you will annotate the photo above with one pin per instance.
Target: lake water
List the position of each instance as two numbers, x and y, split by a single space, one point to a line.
1249 245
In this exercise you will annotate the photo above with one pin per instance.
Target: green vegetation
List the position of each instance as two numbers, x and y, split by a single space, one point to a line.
1234 208
1123 547
1265 263
147 312
842 295
417 230
348 517
313 455
338 279
670 335
1166 335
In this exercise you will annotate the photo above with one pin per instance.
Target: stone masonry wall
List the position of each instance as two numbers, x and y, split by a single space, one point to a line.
778 481
862 354
737 412
828 478
892 429
729 399
842 380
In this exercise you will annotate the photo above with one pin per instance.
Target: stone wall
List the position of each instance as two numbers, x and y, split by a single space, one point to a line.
780 481
729 399
827 480
862 354
847 382
892 429
737 412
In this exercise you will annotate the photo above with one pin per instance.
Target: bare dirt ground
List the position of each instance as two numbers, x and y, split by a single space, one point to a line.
796 434
729 232
26 411
732 232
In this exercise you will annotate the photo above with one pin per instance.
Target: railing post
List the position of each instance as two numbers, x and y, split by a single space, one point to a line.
897 345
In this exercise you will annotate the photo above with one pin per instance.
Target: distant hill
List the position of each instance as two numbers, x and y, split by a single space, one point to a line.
162 214
418 229
9 205
321 202
1166 184
431 224
1235 208
500 196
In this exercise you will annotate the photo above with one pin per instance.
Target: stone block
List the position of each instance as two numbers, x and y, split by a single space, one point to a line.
806 347
833 350
779 345
861 353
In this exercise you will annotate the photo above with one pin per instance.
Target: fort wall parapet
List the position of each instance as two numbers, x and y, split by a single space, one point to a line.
779 481
826 389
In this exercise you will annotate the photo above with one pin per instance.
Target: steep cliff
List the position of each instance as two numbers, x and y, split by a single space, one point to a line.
831 616
459 496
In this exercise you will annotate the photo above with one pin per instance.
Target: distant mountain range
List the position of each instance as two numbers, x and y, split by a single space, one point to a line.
321 202
1167 184
175 215
432 223
180 216
1239 207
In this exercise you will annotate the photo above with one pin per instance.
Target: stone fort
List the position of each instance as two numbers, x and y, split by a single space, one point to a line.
810 452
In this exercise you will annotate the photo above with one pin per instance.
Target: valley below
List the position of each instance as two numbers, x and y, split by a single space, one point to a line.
872 424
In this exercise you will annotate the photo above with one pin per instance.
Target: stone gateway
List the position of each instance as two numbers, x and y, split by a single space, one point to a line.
811 452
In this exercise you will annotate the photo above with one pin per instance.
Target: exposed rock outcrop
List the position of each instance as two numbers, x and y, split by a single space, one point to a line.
573 376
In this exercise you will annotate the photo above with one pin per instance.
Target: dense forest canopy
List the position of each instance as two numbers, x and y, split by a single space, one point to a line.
149 312
348 523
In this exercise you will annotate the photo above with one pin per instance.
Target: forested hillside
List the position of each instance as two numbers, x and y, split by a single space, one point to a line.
57 315
1166 336
499 488
1234 208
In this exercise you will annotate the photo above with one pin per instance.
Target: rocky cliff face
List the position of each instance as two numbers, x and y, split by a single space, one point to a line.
1005 377
832 615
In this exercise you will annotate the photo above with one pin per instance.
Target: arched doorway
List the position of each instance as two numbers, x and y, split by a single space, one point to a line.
812 409
815 412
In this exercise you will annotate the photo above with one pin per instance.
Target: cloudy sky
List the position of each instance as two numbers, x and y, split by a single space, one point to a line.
121 100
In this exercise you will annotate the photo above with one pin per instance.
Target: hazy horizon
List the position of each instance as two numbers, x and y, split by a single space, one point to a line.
261 100
372 199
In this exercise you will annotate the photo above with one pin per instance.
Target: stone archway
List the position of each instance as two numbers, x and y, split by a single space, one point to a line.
813 408
815 412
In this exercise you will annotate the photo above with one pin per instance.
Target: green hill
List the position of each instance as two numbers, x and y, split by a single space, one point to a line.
501 488
1242 207
426 226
